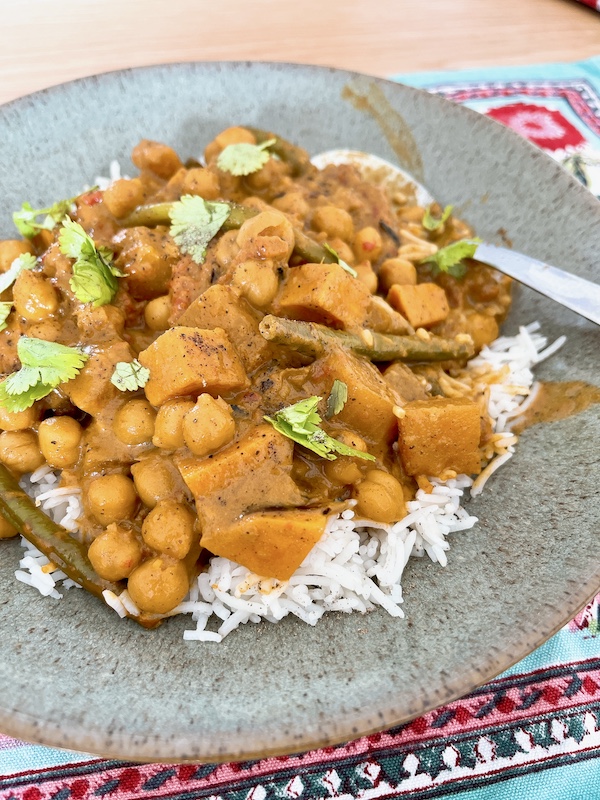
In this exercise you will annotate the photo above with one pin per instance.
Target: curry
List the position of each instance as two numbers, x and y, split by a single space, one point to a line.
221 356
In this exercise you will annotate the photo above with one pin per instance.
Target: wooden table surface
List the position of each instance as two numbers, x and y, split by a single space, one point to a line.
44 42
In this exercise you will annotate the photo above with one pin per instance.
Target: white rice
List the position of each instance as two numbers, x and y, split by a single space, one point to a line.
358 564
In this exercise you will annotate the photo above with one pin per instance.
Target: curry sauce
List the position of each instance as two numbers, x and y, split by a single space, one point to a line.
268 359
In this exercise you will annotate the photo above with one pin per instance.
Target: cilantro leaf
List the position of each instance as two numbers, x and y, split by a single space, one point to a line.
24 261
25 219
194 222
244 158
5 309
24 400
431 223
44 366
340 261
337 398
300 423
94 274
449 259
130 375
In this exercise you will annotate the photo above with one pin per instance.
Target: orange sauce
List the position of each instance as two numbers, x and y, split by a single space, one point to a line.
557 400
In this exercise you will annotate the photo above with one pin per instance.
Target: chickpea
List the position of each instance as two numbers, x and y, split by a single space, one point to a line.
169 528
168 427
227 249
268 177
156 157
380 497
115 553
208 426
34 296
367 244
234 135
367 275
351 439
6 529
201 182
20 451
292 203
11 249
112 498
268 235
123 196
157 313
59 439
154 480
343 470
147 257
257 281
48 330
19 420
333 221
396 270
343 250
158 585
134 422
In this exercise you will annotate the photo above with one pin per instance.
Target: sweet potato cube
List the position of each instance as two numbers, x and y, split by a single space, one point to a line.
423 305
271 543
323 293
220 306
438 434
252 473
188 361
369 409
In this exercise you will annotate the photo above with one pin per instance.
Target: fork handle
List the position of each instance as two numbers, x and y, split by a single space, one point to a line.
578 294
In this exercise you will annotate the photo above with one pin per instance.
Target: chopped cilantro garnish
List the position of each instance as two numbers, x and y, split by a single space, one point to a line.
450 258
25 219
300 422
24 261
5 309
44 366
339 260
431 223
94 275
244 158
130 375
337 398
194 222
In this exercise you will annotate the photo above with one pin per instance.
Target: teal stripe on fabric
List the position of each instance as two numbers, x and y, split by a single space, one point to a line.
585 69
564 647
34 757
579 781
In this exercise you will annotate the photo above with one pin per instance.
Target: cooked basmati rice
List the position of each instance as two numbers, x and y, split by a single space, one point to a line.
358 564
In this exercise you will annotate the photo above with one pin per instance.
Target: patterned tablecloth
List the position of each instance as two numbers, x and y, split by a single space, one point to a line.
534 732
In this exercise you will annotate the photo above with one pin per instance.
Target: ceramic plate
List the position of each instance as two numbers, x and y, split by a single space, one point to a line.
73 675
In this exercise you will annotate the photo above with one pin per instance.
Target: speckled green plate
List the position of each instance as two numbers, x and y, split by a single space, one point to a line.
73 675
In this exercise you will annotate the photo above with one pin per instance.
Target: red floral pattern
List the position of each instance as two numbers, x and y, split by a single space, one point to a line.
543 126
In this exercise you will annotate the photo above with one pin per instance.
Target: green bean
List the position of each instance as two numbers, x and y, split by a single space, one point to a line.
294 156
154 214
51 539
54 541
148 215
313 339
